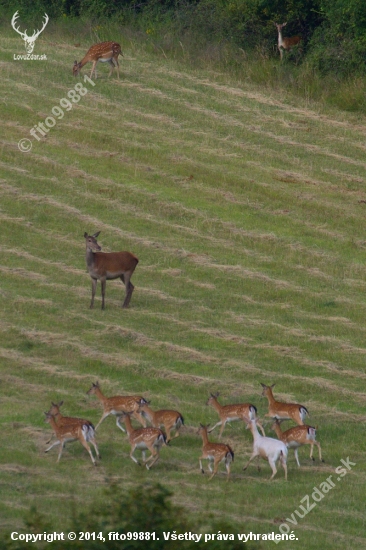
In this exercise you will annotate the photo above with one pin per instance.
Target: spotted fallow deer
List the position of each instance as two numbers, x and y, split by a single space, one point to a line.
214 452
230 413
63 420
151 439
169 419
286 43
117 405
104 266
103 52
283 411
296 437
72 432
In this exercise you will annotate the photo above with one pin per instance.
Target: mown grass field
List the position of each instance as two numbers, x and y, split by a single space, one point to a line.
246 209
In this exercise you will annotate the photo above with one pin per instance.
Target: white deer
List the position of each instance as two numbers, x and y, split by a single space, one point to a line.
29 40
268 448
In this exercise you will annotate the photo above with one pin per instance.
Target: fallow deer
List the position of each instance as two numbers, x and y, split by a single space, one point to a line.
103 52
267 448
214 452
118 405
283 411
151 439
296 437
285 43
230 413
169 419
63 420
71 432
105 266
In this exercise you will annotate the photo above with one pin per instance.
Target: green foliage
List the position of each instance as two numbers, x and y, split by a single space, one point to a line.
338 46
144 509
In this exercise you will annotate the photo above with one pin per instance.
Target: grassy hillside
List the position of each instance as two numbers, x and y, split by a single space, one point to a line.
246 210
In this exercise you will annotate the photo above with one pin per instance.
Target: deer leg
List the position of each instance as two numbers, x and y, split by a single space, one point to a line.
129 288
297 456
86 446
250 460
103 283
152 458
94 288
50 439
62 444
222 429
94 69
139 418
94 443
101 420
133 458
227 464
119 425
284 465
200 461
216 467
274 469
319 449
117 66
53 445
212 429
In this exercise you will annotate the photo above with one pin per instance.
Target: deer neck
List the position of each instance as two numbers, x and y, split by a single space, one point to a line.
216 405
148 412
269 395
278 431
204 436
89 256
254 430
280 39
128 424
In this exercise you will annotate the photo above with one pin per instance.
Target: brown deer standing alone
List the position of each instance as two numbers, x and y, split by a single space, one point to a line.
105 266
286 43
104 52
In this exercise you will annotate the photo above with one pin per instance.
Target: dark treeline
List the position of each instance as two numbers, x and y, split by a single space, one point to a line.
333 31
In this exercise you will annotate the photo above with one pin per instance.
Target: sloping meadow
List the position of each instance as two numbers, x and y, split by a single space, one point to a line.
246 211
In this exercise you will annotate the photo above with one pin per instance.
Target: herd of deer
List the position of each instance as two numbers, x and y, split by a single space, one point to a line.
152 438
108 52
104 266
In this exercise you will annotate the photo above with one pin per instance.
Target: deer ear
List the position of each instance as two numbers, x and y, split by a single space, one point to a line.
96 234
85 235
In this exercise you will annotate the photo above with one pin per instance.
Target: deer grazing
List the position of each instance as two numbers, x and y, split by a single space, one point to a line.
214 452
71 432
169 419
103 52
29 41
286 43
269 449
230 413
151 439
283 411
118 405
105 266
296 437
